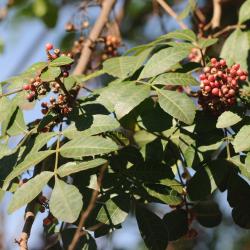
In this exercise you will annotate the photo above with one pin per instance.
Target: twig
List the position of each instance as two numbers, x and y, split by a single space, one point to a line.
215 22
86 52
90 207
228 28
172 13
10 93
29 217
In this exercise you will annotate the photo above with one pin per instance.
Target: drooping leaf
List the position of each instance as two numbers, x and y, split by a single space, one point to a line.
241 143
73 167
17 125
163 61
176 79
28 191
87 146
177 105
61 61
208 213
227 119
177 223
152 229
199 187
65 202
28 162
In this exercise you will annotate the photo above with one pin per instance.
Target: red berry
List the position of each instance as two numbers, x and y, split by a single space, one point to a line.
211 78
26 87
236 66
44 111
215 91
44 104
206 82
49 46
47 222
213 61
202 77
233 72
65 74
206 69
220 73
216 84
224 90
213 70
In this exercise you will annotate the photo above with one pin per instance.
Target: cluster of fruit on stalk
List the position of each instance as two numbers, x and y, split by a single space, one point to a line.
37 88
220 85
111 45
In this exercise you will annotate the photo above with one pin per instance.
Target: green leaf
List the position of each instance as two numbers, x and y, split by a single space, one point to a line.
50 74
244 12
41 140
111 214
65 202
185 34
28 191
73 167
173 184
134 95
87 146
69 82
177 223
175 79
188 9
227 119
85 78
241 142
170 199
123 66
39 8
163 61
177 105
100 124
235 48
61 61
36 67
206 42
18 125
28 162
152 229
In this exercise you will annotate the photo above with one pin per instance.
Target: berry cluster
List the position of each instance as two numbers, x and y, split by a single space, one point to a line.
70 27
220 86
111 44
195 55
36 87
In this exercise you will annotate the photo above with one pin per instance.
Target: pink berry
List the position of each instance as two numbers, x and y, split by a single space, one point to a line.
240 72
207 88
212 84
236 66
233 72
26 87
206 82
231 92
224 90
216 84
206 69
243 78
49 46
211 78
222 62
215 91
220 73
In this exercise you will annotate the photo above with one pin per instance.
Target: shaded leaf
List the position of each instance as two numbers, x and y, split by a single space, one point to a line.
61 61
177 105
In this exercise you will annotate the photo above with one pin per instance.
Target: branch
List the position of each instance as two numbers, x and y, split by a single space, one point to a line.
90 207
215 22
172 13
29 217
86 52
228 28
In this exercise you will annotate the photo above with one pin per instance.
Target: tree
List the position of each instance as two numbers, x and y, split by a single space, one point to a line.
170 125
